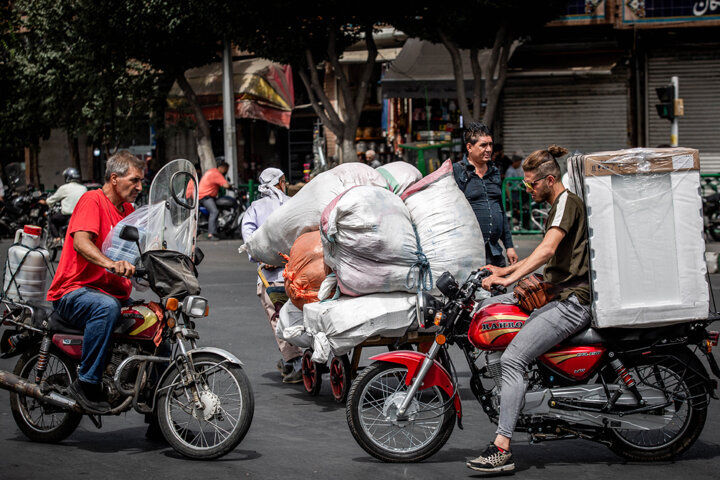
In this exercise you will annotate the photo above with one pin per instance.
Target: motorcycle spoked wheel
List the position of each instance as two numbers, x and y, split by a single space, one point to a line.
38 421
371 415
675 376
228 407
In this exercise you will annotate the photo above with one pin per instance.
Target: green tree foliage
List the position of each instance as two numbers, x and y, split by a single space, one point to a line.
474 25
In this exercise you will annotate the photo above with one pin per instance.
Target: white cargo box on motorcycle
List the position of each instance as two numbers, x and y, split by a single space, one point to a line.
645 228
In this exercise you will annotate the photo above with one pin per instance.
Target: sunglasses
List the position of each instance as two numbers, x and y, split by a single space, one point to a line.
531 186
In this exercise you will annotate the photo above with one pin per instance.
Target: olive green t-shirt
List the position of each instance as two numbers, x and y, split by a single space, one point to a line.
570 264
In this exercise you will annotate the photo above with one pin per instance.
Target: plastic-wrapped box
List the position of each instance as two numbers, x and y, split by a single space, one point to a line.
645 232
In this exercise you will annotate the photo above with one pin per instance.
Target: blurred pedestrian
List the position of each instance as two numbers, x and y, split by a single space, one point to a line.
271 285
371 159
208 190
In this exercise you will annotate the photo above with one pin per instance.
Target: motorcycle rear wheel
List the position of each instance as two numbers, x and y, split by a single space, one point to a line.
373 397
228 409
680 376
38 421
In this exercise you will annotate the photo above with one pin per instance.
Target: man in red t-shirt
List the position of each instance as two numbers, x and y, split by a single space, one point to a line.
210 184
84 291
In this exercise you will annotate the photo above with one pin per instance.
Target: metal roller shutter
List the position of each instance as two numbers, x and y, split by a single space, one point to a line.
588 114
699 77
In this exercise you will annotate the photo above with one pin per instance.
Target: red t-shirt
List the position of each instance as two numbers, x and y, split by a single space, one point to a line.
94 213
210 183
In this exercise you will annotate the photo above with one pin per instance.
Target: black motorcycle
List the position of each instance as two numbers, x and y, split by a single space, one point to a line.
230 212
22 208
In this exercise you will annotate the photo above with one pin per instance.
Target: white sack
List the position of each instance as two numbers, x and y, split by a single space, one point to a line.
339 325
327 287
368 241
449 232
290 326
302 212
399 175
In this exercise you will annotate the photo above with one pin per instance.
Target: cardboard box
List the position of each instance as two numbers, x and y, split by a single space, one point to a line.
645 229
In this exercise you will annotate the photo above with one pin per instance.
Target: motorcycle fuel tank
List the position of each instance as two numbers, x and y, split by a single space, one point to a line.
494 327
226 202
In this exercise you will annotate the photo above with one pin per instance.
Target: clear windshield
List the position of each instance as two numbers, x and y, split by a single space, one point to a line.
173 201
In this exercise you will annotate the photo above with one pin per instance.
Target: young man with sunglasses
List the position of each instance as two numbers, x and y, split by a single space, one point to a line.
564 253
480 181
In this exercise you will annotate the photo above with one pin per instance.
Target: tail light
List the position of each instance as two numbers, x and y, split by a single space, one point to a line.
713 337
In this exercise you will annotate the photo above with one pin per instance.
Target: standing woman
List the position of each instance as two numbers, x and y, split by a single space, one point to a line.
272 190
479 179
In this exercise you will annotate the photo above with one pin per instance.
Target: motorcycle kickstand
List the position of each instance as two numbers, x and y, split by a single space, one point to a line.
96 420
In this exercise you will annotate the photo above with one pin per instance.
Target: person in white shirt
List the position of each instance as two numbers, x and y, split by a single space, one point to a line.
68 196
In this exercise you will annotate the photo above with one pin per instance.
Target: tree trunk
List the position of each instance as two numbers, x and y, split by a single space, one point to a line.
497 72
202 126
347 151
74 147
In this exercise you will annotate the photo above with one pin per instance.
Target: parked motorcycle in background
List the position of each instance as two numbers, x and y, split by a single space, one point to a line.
711 216
231 209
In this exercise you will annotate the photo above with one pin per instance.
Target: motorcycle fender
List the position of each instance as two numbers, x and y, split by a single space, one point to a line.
437 375
217 351
172 367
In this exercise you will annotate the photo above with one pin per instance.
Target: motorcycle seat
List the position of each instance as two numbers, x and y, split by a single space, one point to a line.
584 337
57 324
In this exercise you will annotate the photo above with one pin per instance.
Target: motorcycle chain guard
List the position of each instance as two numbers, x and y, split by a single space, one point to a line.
436 376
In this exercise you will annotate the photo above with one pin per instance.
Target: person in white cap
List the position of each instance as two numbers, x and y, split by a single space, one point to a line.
272 290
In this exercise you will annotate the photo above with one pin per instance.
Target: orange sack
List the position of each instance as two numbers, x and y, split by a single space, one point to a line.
305 269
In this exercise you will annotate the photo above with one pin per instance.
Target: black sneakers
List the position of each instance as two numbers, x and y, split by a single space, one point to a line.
88 396
492 460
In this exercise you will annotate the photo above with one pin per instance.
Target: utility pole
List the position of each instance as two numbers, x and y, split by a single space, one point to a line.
674 125
229 133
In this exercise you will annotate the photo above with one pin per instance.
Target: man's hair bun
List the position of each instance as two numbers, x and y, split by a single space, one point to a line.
557 151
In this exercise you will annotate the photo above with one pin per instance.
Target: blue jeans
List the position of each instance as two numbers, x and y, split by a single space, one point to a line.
209 203
96 313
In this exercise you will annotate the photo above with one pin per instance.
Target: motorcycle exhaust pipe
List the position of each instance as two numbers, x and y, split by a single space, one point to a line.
12 382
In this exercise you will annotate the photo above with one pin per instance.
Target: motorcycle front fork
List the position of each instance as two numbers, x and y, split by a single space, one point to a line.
419 377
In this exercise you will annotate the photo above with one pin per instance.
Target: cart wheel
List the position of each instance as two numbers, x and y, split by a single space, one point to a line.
311 373
340 378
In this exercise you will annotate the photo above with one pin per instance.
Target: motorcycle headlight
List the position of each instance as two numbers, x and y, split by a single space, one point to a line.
195 306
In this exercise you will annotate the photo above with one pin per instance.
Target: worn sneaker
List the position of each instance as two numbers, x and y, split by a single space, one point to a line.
294 377
284 368
492 460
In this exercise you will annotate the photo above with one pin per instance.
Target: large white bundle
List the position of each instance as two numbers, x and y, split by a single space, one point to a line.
399 175
339 325
302 212
368 240
449 232
290 326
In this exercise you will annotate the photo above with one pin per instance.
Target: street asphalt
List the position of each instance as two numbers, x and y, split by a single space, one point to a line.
295 436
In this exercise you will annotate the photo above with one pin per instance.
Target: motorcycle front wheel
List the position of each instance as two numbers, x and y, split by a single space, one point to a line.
681 379
371 412
217 426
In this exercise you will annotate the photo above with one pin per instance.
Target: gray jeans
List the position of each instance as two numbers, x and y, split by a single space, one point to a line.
546 327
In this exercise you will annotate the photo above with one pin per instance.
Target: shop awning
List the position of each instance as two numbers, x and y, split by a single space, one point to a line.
263 90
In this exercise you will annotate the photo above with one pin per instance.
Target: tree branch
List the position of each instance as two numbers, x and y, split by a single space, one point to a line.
494 86
336 129
340 73
459 74
317 86
477 83
367 70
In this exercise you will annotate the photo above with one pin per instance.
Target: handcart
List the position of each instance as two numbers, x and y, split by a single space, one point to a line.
343 369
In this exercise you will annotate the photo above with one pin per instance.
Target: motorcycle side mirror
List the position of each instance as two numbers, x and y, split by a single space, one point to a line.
131 234
199 255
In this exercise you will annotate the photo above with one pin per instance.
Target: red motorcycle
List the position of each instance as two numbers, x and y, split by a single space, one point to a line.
642 392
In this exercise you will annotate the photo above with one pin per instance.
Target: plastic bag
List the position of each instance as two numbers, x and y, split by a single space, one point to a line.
290 326
448 230
305 270
301 214
117 249
369 241
339 325
399 175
